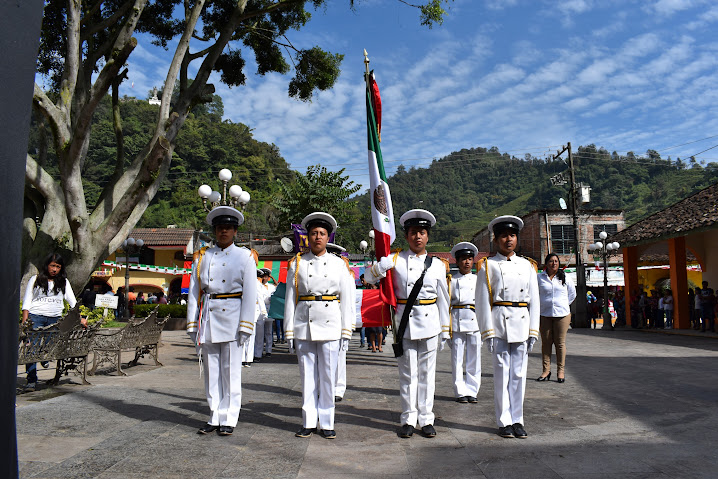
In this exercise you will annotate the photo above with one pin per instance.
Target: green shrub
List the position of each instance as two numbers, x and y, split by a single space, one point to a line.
163 310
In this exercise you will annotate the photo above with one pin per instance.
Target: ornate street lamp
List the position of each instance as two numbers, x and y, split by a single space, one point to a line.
129 245
363 245
605 250
237 197
372 251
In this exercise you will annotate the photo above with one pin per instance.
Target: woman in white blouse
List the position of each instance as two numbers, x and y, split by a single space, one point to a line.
556 292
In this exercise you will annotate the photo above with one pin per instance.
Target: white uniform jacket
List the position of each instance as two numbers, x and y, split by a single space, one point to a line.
229 270
324 275
260 311
511 280
267 290
425 321
463 293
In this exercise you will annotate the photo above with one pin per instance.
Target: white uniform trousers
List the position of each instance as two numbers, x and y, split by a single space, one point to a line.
259 338
223 381
341 381
248 349
417 372
469 342
318 369
268 323
510 363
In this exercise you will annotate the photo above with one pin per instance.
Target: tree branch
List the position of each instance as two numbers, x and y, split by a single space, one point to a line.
41 179
72 57
117 124
109 21
54 116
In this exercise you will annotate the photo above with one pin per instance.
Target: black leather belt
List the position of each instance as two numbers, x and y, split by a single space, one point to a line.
512 304
225 295
324 297
464 306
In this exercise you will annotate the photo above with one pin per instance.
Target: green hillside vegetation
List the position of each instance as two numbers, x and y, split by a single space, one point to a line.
464 190
468 188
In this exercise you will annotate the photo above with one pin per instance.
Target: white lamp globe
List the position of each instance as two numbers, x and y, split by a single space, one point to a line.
124 244
130 241
591 247
244 197
215 197
140 243
363 245
235 191
225 174
598 245
371 234
616 245
609 247
603 235
204 191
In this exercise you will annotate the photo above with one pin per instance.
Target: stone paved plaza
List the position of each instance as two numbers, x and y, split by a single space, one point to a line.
635 404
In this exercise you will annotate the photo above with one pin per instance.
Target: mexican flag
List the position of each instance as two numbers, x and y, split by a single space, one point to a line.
382 214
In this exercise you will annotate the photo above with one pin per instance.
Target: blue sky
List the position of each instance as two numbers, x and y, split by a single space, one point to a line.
525 76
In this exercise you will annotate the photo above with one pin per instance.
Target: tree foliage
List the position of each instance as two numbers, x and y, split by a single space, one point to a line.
84 49
317 190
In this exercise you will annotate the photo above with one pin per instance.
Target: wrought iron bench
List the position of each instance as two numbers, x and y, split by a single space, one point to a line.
67 342
139 335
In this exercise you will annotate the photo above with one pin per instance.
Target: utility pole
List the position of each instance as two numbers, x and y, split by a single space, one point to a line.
580 319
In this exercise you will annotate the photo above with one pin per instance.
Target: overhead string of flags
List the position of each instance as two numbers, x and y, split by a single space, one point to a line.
382 213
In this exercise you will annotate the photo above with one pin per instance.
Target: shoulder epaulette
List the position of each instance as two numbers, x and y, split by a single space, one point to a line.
446 263
294 258
480 263
396 250
346 262
533 262
199 252
255 255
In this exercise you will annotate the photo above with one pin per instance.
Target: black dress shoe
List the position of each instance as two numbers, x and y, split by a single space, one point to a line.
506 431
561 380
473 400
428 431
406 431
329 433
207 428
338 399
519 431
269 355
462 399
256 359
305 432
544 378
226 430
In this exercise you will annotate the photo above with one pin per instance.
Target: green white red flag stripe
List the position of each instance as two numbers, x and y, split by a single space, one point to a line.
382 214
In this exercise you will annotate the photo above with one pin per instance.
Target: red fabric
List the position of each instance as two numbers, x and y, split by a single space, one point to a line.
185 277
374 312
376 103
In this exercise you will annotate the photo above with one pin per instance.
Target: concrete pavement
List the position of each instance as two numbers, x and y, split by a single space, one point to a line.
633 405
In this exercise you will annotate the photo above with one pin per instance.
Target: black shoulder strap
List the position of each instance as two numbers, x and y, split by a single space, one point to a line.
412 299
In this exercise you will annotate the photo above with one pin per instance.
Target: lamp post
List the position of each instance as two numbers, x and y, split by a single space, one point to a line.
372 251
238 198
130 244
363 245
605 250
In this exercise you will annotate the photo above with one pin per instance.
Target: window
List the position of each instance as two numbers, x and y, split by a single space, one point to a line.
611 229
562 239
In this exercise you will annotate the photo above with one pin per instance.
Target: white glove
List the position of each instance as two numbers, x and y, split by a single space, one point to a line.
290 343
243 338
193 335
344 344
490 344
385 264
442 345
530 343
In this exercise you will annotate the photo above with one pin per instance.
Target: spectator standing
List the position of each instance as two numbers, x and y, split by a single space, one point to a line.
556 293
708 302
697 308
668 308
161 299
44 301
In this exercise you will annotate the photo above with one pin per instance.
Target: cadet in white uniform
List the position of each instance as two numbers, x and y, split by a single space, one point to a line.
220 314
428 326
318 314
340 386
259 332
259 313
507 305
465 337
267 290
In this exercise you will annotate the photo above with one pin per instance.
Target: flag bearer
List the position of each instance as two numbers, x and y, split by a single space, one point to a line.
507 305
318 315
427 325
465 337
220 316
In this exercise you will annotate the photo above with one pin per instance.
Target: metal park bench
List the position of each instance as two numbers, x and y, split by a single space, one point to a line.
66 342
141 336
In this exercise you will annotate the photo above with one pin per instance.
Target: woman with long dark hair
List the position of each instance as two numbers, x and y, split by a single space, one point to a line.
44 300
556 292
